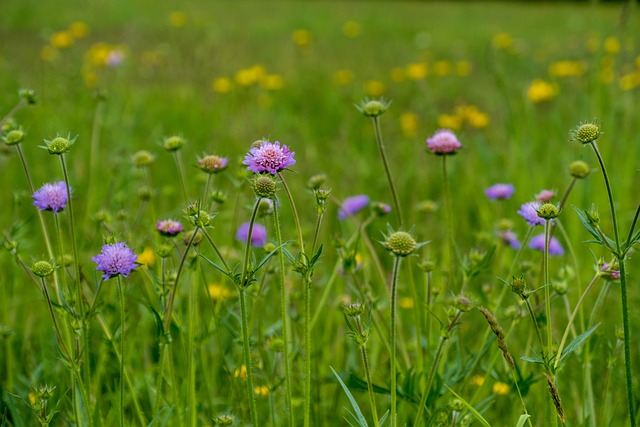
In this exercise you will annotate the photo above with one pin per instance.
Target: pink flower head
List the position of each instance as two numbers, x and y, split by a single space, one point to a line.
169 227
500 191
269 157
115 259
258 234
544 196
352 205
537 243
529 211
51 197
608 273
443 142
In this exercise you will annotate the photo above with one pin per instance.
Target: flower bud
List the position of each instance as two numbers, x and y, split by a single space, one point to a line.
264 186
463 304
14 137
579 169
173 143
518 285
28 95
316 181
586 133
212 164
400 243
218 197
223 420
142 158
548 211
42 268
354 309
59 145
373 108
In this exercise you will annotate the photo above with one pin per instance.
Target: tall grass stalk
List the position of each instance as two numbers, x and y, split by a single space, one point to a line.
393 332
122 334
387 169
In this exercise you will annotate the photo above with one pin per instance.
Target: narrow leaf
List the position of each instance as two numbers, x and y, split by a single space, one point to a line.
470 407
360 418
534 359
522 420
573 345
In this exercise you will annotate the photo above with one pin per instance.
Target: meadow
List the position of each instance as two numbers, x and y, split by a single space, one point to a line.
319 213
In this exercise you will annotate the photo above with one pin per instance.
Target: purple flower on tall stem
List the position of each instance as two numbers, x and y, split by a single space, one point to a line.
500 191
529 211
51 197
258 234
115 259
537 243
169 227
269 157
443 142
352 205
510 238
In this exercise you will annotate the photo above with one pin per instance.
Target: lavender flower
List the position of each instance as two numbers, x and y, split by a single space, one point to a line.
351 205
443 142
500 191
537 243
115 258
609 273
212 164
169 227
258 234
510 238
529 211
545 195
51 197
269 157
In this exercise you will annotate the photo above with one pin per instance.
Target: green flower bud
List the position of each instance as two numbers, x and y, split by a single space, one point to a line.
316 181
144 193
201 220
59 145
42 268
218 197
560 286
173 143
586 133
505 224
276 345
196 241
548 211
223 420
518 285
28 95
579 169
164 251
426 265
142 158
463 304
400 243
427 206
264 186
269 247
373 108
593 217
14 137
354 309
212 164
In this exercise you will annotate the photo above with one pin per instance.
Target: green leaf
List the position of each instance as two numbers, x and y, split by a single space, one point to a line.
573 345
535 359
362 422
268 256
159 323
217 267
470 407
522 420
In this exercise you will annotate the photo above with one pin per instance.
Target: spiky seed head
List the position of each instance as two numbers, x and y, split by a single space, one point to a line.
518 285
173 143
264 186
354 309
586 133
142 158
400 243
579 169
316 181
373 108
42 268
14 137
548 211
59 145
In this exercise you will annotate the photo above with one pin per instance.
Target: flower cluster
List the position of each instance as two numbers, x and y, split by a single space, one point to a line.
500 191
51 197
115 259
258 234
444 142
269 157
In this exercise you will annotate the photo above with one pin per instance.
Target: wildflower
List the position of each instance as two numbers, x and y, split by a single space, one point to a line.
173 143
301 37
442 68
500 191
221 85
400 243
608 272
261 390
51 197
501 388
142 158
541 91
477 380
264 186
147 257
544 196
529 211
316 181
258 234
374 107
13 137
240 372
351 205
45 268
586 133
212 164
218 292
502 41
567 69
61 39
178 19
373 87
169 227
409 123
380 208
548 211
343 77
406 303
351 29
58 145
78 29
537 243
449 121
444 142
417 71
510 238
269 157
223 420
115 259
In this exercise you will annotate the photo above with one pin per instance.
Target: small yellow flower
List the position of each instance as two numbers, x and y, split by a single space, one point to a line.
272 82
442 68
221 85
373 88
32 398
217 292
449 121
48 53
147 257
417 71
351 29
397 74
240 372
607 75
406 302
409 123
178 19
477 380
98 54
343 77
629 81
301 37
567 69
611 45
463 68
261 390
501 388
541 91
61 39
250 76
502 41
78 29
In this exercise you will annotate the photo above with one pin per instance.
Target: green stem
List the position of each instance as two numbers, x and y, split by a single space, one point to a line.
14 110
547 286
178 160
394 193
121 296
633 227
61 342
609 194
247 357
215 248
372 397
394 289
534 321
296 218
74 246
449 215
191 387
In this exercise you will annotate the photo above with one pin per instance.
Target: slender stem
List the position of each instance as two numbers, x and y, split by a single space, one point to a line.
394 289
295 212
74 246
449 214
178 159
121 296
566 194
394 193
191 371
534 321
247 356
609 194
571 319
13 111
215 248
53 318
547 286
307 348
633 227
372 397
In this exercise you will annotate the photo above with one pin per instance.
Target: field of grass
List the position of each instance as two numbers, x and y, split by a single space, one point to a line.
202 331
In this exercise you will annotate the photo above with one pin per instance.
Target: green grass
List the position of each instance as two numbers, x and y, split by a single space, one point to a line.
164 87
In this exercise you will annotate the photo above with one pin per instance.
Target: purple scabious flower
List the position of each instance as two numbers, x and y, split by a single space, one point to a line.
169 227
115 258
529 211
269 157
351 205
537 243
51 197
608 273
500 191
258 234
443 142
510 238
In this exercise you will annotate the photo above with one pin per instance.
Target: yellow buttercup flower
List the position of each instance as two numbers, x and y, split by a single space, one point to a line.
272 82
217 292
373 87
406 303
78 29
301 37
567 69
463 68
501 388
48 53
449 121
477 380
541 91
178 19
240 372
502 41
261 390
409 123
629 81
417 71
221 85
611 45
147 257
442 68
61 39
351 29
